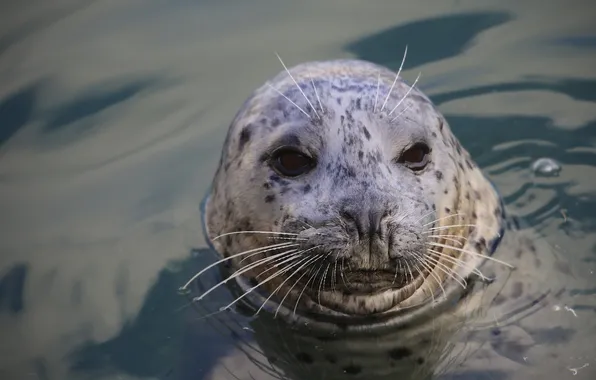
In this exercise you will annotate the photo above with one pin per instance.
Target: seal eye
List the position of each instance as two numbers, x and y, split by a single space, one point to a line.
291 163
416 157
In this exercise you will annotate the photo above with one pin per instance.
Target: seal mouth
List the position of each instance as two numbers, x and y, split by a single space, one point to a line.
366 281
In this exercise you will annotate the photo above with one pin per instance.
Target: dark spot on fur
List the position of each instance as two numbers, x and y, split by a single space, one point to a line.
366 133
499 299
439 174
269 198
420 361
517 290
306 189
304 357
352 369
360 154
275 122
447 210
244 137
400 353
496 331
267 185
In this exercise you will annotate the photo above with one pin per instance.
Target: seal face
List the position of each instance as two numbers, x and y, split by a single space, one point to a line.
342 199
341 191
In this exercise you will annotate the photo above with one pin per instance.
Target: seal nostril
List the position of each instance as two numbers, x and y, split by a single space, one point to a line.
352 220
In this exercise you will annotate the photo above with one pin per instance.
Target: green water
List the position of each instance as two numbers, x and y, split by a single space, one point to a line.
112 116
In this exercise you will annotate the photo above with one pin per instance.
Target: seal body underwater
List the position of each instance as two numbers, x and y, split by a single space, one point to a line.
361 233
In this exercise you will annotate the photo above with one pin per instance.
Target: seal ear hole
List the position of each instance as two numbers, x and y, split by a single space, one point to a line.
416 157
290 162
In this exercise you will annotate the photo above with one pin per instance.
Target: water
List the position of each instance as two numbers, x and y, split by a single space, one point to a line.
112 115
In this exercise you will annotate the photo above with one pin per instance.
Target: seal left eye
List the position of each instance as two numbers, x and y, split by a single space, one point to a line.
291 163
415 157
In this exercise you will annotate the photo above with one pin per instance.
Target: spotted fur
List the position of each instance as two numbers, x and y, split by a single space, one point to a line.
347 115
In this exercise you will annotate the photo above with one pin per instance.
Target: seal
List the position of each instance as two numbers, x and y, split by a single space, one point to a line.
343 202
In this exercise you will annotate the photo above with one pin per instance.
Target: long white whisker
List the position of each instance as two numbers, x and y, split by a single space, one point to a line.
406 108
471 253
317 95
254 232
319 257
460 263
447 270
406 95
265 281
444 217
309 262
453 240
304 259
395 80
377 92
426 265
290 100
258 250
322 281
452 226
296 83
246 269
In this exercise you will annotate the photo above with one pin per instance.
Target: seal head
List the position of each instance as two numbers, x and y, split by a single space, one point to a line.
341 191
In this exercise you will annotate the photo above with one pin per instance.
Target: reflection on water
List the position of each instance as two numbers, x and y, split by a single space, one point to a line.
111 120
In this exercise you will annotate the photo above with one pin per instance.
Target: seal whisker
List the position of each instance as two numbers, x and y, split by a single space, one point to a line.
452 239
297 85
286 238
322 281
422 217
306 261
257 250
377 92
317 95
429 268
406 108
319 257
290 100
249 267
271 277
395 80
266 250
450 236
472 253
446 269
452 226
406 95
459 263
309 262
254 232
425 266
442 218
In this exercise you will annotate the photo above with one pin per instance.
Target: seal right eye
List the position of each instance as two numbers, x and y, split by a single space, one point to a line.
415 157
289 162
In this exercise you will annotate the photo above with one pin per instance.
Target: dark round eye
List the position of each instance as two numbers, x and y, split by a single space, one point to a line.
291 163
415 157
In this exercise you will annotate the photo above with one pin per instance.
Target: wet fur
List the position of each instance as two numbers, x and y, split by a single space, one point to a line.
340 116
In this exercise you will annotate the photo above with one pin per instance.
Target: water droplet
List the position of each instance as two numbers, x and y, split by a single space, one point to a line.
546 167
